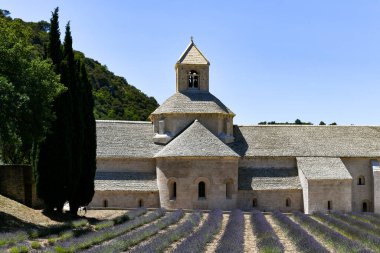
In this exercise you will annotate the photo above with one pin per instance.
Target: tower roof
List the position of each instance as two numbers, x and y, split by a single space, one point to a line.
192 55
196 141
192 102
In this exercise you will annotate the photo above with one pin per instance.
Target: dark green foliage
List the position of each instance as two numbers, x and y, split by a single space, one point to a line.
54 46
322 123
333 124
296 122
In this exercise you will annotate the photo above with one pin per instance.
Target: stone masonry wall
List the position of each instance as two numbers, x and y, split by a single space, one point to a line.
188 173
125 199
360 193
270 200
17 182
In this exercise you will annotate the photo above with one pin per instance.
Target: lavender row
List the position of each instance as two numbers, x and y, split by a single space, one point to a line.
120 219
126 241
366 217
233 237
336 240
198 240
160 243
301 238
357 223
267 240
369 240
93 238
11 238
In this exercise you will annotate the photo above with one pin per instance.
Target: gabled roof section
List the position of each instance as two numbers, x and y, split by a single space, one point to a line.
192 102
261 179
307 141
119 139
192 55
196 141
321 168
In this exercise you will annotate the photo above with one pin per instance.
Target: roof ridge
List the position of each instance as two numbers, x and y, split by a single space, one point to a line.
123 121
284 125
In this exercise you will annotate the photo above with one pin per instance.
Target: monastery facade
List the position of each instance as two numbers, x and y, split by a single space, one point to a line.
192 156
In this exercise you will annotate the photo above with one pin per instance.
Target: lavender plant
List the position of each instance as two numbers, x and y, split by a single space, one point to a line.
126 241
198 240
357 223
336 240
160 243
301 239
369 240
12 237
233 237
267 240
366 217
93 238
120 219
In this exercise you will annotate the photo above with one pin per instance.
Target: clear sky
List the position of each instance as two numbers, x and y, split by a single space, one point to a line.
270 60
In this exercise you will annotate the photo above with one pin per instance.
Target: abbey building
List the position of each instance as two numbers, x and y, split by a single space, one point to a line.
191 155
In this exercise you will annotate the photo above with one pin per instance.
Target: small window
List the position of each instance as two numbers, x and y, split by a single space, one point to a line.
361 180
364 206
193 79
105 203
141 203
202 190
173 190
288 202
254 203
228 190
329 205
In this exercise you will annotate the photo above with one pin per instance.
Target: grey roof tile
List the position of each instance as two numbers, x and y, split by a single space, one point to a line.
192 102
298 141
125 181
196 140
268 179
319 168
125 139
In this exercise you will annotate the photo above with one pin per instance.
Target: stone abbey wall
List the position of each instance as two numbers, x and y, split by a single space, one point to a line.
17 183
125 199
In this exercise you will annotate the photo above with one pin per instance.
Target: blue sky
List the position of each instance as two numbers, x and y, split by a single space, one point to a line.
270 60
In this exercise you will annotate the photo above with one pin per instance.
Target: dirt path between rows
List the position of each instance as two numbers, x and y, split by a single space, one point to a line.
249 238
211 246
289 247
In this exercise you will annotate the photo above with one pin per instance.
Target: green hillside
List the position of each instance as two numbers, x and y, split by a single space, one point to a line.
114 97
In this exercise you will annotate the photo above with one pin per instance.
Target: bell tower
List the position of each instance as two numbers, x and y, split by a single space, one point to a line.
192 70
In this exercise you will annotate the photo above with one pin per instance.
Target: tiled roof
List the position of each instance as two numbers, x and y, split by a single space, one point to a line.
318 168
192 55
125 139
192 102
196 140
268 179
125 181
298 141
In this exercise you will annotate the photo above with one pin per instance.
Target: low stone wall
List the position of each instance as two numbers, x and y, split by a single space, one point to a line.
17 183
125 199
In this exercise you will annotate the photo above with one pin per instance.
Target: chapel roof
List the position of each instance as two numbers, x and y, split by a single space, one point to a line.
128 139
298 141
192 102
268 179
196 141
125 181
320 168
192 55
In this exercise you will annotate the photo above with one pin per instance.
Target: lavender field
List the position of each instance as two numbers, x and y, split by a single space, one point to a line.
162 230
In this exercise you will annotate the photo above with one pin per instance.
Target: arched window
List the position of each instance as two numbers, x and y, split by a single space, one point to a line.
201 190
229 190
361 180
365 206
141 203
329 205
105 203
254 202
288 202
193 79
173 190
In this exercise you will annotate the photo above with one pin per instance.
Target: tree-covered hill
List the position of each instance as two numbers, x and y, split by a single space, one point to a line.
114 97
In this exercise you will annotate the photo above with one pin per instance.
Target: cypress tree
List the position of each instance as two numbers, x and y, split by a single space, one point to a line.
56 152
